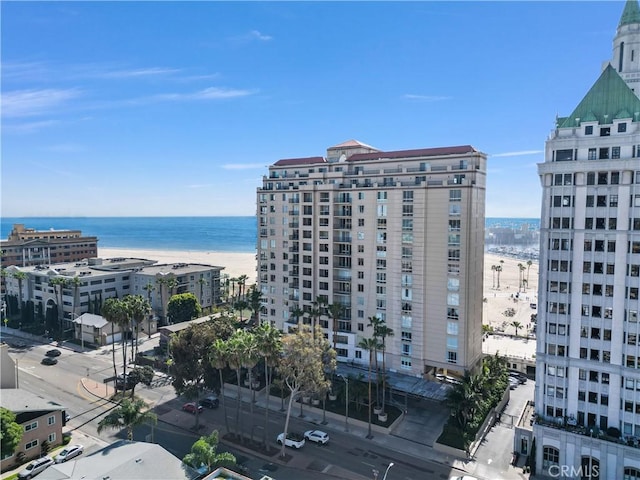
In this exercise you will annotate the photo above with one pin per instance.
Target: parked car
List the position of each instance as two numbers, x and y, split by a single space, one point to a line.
35 467
69 452
317 436
513 383
49 361
191 407
293 440
210 402
53 353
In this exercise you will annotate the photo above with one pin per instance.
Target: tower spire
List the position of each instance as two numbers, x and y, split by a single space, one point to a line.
630 14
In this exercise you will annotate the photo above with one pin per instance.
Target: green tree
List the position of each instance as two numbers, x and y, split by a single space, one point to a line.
269 342
242 283
143 374
498 270
21 277
255 300
114 312
301 366
515 324
149 288
58 284
202 282
371 345
297 312
376 323
218 359
192 370
204 452
383 332
241 306
10 432
138 308
129 414
335 310
183 307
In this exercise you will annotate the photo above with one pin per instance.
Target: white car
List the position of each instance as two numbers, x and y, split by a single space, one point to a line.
69 452
293 440
35 467
317 436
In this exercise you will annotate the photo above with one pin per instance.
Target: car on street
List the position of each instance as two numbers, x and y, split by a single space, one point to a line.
49 361
513 383
69 452
293 440
190 407
210 401
35 467
53 353
317 436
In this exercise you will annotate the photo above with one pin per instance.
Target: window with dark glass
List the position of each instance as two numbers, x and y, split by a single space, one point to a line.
564 155
622 127
588 130
615 152
605 131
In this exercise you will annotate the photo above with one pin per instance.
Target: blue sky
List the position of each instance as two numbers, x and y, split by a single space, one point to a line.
177 108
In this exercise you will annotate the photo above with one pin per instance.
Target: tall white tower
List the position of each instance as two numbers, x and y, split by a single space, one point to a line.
587 397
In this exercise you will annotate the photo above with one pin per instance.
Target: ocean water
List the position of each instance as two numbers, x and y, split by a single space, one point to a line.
221 234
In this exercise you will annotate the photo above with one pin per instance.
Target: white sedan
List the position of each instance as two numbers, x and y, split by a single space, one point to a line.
317 436
69 452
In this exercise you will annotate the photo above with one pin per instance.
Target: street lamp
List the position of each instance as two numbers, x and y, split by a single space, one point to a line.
346 404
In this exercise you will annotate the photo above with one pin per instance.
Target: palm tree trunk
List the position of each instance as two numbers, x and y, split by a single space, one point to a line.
113 355
369 405
238 402
267 397
251 392
286 422
224 406
384 377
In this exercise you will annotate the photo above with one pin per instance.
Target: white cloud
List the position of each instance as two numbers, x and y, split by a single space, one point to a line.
243 166
24 103
211 93
259 36
139 72
517 154
426 98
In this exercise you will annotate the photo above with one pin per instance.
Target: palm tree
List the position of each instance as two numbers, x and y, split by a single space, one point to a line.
58 284
241 306
218 358
234 354
20 276
129 414
493 274
516 325
335 310
498 270
138 308
255 300
205 452
172 283
297 312
382 333
242 279
162 283
233 281
521 268
370 344
269 347
376 323
113 311
149 288
529 263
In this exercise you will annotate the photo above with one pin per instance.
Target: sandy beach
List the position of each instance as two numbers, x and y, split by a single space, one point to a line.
498 301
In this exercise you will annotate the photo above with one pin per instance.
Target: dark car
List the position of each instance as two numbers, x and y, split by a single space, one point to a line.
191 408
49 361
53 353
210 402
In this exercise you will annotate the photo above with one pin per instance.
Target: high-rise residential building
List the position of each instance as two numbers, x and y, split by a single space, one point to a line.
587 398
396 236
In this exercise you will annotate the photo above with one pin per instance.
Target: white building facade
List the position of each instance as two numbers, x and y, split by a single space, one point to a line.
394 235
588 351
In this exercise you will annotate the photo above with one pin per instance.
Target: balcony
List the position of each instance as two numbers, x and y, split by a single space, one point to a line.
566 424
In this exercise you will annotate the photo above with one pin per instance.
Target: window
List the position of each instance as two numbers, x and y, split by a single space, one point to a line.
31 444
550 456
51 420
588 130
51 438
452 357
615 152
31 426
455 195
622 127
592 154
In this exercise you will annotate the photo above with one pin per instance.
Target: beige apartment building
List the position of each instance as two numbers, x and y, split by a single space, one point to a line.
28 246
397 235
